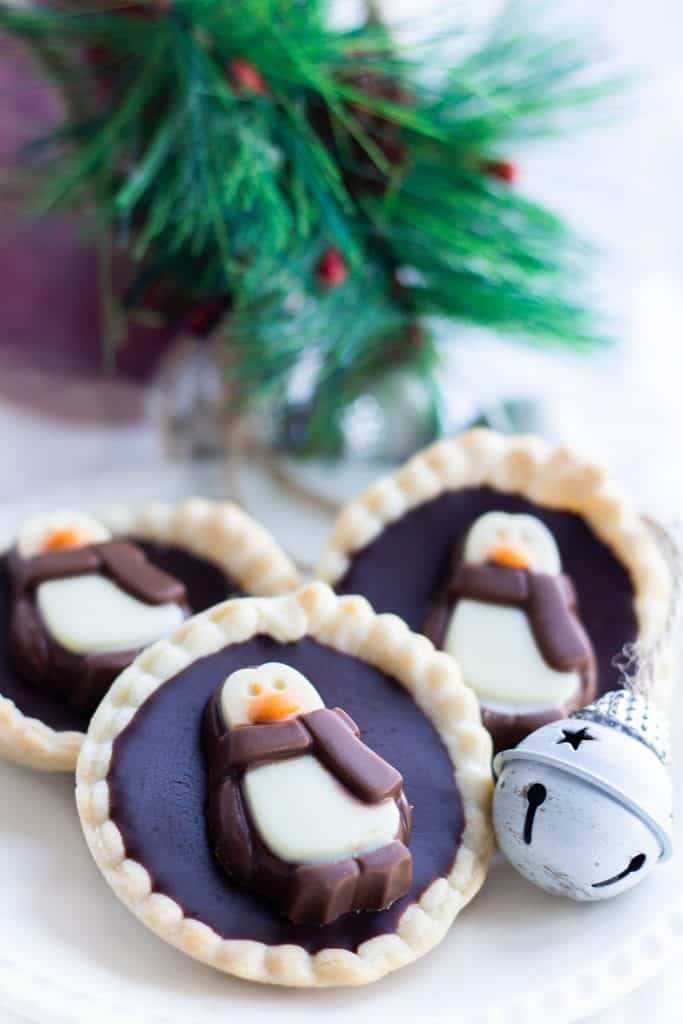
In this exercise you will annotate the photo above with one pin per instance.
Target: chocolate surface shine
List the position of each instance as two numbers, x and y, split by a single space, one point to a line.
205 583
404 569
158 789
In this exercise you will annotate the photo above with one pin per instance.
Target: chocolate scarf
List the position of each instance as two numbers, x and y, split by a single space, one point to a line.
549 602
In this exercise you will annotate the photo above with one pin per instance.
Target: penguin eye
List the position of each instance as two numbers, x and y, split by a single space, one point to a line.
254 689
279 684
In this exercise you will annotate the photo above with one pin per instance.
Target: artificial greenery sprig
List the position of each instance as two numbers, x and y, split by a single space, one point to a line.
316 189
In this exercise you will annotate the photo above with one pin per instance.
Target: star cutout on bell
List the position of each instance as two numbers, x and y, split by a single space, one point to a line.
575 739
592 823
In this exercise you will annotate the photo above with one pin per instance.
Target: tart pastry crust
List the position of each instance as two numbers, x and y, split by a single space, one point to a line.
349 625
219 532
544 474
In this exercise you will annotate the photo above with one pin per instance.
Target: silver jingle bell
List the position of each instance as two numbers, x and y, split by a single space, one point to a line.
583 806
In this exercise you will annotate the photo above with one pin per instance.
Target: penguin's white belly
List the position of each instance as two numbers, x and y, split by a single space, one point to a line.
500 660
304 815
91 615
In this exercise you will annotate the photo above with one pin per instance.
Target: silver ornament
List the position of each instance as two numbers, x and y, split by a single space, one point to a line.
633 714
583 806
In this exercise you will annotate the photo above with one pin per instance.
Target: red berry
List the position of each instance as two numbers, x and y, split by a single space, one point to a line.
332 270
246 76
206 316
505 170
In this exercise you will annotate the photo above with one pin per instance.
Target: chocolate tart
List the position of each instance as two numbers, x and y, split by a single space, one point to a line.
214 549
142 785
401 545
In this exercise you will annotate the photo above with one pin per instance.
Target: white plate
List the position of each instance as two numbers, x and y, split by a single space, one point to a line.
70 952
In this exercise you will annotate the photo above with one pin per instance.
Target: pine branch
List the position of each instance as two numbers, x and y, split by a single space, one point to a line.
235 187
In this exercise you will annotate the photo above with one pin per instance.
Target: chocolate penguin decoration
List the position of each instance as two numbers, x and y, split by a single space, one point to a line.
300 811
509 616
83 605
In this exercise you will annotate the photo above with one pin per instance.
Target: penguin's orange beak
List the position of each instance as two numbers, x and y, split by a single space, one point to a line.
66 537
511 556
272 707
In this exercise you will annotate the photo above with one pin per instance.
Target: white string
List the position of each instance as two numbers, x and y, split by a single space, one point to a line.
638 663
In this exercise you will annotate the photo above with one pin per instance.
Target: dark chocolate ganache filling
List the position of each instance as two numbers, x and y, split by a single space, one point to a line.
404 569
158 790
205 583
